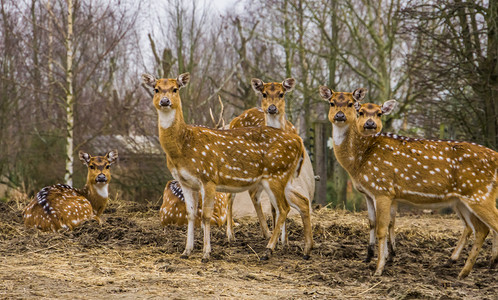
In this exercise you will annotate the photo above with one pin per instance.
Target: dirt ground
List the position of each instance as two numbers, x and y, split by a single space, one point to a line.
132 257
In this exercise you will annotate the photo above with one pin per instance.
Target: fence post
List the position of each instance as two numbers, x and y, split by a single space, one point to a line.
322 133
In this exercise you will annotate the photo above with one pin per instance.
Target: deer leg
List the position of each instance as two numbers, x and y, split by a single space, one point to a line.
382 216
277 198
462 241
230 233
494 251
392 236
302 204
208 192
256 201
371 223
191 203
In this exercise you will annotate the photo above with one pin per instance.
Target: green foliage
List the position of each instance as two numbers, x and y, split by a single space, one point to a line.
355 200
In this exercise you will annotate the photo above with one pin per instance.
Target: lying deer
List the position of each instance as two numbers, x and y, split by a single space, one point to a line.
272 113
174 212
62 206
421 172
208 160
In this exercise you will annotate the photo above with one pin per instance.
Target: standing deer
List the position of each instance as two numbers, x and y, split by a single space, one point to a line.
208 160
61 206
174 212
369 124
272 113
390 168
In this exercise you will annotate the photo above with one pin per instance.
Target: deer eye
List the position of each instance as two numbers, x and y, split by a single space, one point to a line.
332 104
92 167
156 90
107 167
350 104
281 95
264 95
175 90
361 113
379 115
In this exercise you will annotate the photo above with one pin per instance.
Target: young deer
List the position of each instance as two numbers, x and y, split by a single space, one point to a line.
272 113
174 212
61 206
210 160
421 172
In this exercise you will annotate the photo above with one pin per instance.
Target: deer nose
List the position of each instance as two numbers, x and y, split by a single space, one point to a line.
165 102
101 178
370 124
340 116
272 109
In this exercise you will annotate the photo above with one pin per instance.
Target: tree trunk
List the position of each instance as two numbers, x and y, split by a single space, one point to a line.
68 176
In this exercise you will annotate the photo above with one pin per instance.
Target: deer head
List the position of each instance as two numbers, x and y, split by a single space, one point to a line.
369 115
99 167
342 105
166 96
273 102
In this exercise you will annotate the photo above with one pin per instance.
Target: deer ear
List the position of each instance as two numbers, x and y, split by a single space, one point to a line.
183 79
112 156
357 105
149 80
359 94
257 85
289 84
325 93
84 157
388 106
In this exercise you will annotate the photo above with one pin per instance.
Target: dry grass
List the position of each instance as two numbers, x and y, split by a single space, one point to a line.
131 256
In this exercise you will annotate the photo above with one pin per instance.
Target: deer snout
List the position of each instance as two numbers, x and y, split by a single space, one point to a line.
340 117
165 102
101 178
272 109
370 124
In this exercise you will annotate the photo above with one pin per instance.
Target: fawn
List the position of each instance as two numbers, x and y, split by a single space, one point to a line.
62 206
208 160
427 173
272 113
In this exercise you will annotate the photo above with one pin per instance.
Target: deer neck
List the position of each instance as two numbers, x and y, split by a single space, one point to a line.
96 193
349 145
276 120
172 130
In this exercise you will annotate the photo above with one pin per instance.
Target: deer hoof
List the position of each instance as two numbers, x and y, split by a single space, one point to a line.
450 262
266 255
204 260
184 256
306 257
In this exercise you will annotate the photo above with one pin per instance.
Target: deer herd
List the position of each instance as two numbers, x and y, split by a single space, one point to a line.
260 150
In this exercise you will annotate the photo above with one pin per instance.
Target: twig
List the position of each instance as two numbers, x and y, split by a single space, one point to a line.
370 288
254 251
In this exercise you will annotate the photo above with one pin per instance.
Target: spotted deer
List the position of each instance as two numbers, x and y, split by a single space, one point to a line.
208 160
174 212
421 172
272 113
62 206
368 124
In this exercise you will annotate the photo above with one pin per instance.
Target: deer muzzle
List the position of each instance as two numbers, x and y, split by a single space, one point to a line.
101 178
370 124
272 109
165 102
340 117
